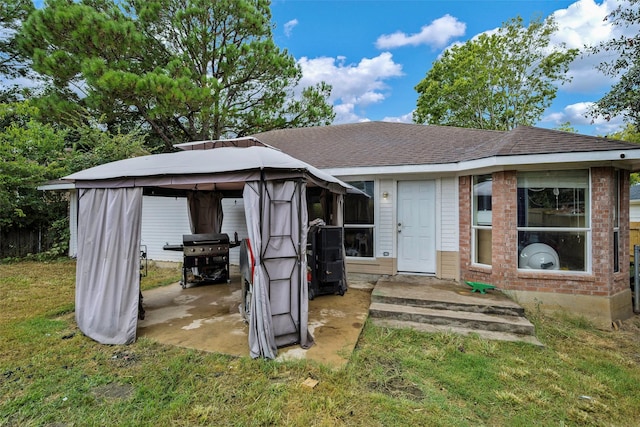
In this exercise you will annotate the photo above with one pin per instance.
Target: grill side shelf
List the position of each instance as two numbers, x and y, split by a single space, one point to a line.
178 248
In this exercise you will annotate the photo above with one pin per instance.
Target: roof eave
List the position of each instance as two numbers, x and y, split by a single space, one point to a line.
628 159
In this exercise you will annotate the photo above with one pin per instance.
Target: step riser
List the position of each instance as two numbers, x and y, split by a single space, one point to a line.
429 328
438 305
457 322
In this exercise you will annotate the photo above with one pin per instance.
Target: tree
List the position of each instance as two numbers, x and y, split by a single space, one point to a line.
496 81
624 96
629 133
187 69
12 63
31 154
566 127
89 146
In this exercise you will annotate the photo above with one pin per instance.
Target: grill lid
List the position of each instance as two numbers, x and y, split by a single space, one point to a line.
205 239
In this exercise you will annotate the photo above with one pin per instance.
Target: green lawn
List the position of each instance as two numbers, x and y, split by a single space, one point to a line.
50 374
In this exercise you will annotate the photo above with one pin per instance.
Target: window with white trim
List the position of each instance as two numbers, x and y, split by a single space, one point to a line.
554 220
359 221
482 219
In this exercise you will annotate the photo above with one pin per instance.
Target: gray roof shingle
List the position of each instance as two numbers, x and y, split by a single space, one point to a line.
392 144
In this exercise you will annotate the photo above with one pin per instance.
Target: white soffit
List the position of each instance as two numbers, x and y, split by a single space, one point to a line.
624 157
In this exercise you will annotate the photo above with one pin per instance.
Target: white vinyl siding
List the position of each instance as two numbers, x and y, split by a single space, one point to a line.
234 221
164 221
634 211
73 223
447 199
385 227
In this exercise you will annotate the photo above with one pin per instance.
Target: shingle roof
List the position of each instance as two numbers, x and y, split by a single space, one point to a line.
392 144
634 192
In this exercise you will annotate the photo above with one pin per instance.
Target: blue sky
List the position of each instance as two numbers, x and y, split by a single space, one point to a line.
373 53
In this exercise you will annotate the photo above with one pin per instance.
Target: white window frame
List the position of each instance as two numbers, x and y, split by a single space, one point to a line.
586 230
371 226
475 226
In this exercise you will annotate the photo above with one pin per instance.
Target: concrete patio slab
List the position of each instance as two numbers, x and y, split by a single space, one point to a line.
207 317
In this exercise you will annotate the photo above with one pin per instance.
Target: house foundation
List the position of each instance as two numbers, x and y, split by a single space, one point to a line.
601 311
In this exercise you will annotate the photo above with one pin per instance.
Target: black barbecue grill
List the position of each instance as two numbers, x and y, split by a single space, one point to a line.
205 257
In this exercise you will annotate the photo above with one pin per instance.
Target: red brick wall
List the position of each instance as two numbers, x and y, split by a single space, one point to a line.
505 235
602 199
504 270
464 194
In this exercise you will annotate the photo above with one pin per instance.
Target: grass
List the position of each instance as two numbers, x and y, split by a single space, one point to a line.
50 374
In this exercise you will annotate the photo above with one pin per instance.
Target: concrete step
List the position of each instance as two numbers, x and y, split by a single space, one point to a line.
446 297
467 306
426 327
452 318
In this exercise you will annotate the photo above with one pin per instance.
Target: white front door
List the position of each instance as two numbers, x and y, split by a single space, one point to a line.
416 226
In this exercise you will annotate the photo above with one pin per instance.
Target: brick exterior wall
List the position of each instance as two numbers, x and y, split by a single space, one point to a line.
602 281
464 222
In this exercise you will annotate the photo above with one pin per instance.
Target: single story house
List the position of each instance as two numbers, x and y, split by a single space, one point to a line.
541 214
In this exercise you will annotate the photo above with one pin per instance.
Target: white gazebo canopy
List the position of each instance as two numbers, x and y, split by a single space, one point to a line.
273 185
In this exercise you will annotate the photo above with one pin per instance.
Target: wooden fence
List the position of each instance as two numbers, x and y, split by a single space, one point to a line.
634 237
21 242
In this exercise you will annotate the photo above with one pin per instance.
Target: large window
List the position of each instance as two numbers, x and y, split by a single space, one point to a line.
553 220
482 188
358 221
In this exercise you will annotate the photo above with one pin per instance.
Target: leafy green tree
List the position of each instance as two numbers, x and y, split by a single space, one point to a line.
31 153
624 96
629 133
89 146
496 81
186 69
566 127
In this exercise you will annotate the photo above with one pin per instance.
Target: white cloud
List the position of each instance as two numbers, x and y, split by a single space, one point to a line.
437 34
578 114
289 26
358 85
405 118
345 114
354 86
582 24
